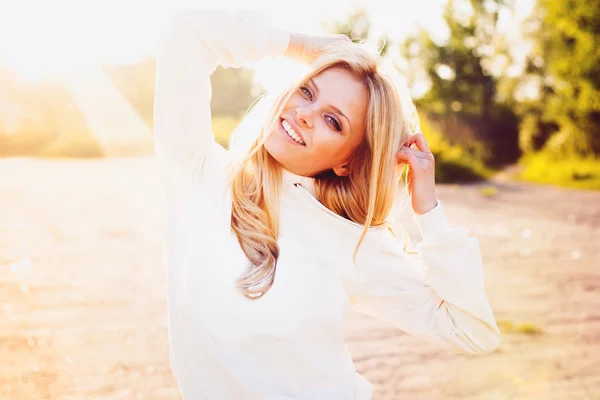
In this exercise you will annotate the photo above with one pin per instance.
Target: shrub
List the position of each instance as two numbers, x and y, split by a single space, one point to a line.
453 164
567 171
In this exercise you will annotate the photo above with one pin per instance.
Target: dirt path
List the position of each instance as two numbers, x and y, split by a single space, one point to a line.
69 333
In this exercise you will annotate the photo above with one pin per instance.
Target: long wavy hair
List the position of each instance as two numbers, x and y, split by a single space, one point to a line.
365 196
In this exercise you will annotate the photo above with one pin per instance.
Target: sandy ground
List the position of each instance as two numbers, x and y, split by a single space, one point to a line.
82 308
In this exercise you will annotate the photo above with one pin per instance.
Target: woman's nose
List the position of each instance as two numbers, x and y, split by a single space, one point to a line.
304 117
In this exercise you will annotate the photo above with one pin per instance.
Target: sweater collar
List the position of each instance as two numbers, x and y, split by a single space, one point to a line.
306 182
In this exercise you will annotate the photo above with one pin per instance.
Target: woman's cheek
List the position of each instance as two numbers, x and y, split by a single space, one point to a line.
329 147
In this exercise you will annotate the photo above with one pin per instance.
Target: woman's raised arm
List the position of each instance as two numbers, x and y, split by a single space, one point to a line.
194 43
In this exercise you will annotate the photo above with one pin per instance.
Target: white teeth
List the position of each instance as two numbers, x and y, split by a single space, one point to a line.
288 128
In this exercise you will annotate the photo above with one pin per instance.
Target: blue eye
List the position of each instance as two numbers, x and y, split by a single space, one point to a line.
333 121
307 92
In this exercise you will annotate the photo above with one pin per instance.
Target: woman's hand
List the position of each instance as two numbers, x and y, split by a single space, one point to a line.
421 173
305 48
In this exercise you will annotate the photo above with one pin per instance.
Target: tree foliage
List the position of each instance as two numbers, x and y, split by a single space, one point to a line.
464 90
359 27
564 66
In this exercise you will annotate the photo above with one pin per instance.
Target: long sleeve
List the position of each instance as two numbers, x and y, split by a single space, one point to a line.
438 295
193 44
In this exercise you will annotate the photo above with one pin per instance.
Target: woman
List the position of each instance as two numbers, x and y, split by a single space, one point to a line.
267 252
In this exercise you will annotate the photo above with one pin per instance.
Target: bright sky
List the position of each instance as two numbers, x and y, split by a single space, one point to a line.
40 36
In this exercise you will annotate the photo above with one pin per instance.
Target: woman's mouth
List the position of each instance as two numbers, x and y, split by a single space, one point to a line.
290 133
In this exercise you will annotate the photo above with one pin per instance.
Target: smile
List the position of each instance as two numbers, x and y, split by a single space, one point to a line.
291 133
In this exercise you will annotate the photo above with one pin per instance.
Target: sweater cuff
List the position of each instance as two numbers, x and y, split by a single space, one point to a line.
432 223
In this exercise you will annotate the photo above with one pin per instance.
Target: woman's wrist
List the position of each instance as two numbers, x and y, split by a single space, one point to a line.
424 195
426 207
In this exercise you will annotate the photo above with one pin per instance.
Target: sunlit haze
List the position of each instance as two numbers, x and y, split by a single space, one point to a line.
64 36
73 39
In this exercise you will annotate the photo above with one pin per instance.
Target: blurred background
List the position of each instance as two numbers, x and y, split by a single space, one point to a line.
497 83
509 100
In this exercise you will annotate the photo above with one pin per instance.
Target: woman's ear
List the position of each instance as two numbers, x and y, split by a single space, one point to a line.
341 170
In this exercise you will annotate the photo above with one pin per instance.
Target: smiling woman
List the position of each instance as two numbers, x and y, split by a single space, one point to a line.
293 231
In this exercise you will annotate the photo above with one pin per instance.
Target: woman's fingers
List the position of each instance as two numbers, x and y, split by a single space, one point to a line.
404 156
420 141
417 153
407 157
416 159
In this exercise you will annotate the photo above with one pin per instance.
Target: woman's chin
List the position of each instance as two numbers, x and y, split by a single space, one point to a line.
280 150
276 147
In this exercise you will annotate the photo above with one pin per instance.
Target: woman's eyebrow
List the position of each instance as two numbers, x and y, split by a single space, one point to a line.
313 84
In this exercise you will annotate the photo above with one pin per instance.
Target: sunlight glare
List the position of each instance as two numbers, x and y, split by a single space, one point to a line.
62 37
115 124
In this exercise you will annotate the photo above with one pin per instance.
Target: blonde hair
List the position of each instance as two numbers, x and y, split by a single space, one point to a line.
365 196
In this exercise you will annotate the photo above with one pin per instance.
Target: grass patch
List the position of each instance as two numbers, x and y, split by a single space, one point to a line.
572 172
488 191
529 329
506 326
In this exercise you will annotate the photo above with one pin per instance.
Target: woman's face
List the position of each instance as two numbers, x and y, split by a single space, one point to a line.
321 125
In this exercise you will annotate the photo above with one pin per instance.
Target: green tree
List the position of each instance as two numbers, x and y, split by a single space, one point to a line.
564 68
463 96
358 27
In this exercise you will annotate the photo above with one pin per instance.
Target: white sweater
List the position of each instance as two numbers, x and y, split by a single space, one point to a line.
288 344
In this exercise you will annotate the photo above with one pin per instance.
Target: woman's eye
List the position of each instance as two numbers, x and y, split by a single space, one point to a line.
334 123
306 92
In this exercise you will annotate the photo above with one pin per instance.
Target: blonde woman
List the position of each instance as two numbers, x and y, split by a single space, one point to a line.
267 248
